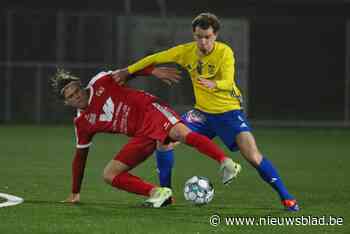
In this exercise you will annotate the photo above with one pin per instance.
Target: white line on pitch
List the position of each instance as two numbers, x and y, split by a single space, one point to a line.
11 200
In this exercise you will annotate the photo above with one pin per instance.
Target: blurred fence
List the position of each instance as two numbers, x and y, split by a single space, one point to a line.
305 87
36 43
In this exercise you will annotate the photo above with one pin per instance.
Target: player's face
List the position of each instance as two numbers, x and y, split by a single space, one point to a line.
75 96
205 39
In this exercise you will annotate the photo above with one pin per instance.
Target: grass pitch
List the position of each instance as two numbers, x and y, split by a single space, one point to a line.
35 164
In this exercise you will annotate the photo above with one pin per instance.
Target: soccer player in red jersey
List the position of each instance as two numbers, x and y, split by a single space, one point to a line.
104 106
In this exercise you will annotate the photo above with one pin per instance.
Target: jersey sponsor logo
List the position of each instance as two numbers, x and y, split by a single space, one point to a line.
124 120
211 69
108 112
200 67
100 91
108 109
119 107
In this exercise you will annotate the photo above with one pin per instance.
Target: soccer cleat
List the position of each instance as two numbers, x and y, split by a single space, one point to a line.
168 202
291 205
158 197
229 170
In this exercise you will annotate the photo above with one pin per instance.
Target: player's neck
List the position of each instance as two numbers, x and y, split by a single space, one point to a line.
203 53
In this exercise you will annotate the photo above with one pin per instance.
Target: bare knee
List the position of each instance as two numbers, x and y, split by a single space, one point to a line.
254 158
112 169
248 148
179 132
108 176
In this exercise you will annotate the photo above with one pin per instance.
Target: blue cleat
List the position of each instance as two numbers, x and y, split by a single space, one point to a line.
291 205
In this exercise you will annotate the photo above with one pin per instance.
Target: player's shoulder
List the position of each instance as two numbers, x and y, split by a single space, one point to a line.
188 46
223 51
100 77
222 46
184 47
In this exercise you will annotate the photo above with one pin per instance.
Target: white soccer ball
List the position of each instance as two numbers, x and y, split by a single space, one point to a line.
198 190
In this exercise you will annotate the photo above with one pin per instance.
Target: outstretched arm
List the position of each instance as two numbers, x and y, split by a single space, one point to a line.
78 168
172 55
168 75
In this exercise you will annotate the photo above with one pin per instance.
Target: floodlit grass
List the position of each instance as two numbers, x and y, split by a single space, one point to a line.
35 164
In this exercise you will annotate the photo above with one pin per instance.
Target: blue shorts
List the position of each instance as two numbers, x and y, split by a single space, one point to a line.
225 125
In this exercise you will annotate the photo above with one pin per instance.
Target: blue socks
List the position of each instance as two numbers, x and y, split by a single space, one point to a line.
165 162
270 175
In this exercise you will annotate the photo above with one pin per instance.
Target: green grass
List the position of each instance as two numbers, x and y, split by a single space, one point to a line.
35 164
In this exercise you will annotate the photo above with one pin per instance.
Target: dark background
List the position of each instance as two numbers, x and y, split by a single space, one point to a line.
297 48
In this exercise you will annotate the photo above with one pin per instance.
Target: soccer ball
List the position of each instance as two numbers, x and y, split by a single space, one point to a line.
198 190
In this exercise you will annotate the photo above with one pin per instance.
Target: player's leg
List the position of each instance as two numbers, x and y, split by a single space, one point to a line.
133 153
193 119
234 125
163 124
165 163
267 171
203 144
116 174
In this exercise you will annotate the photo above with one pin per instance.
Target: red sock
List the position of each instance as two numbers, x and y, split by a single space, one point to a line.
132 184
204 145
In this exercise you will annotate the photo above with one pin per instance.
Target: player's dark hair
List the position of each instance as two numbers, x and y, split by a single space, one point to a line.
60 79
205 20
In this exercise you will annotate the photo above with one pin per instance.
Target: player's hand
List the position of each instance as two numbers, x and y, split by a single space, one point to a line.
72 198
120 75
168 75
207 83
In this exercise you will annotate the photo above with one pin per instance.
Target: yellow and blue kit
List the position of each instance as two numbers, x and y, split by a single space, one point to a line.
217 66
218 111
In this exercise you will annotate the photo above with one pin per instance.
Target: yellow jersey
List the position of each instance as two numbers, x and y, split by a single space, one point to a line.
217 66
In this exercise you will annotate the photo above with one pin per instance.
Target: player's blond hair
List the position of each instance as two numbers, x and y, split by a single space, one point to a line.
61 79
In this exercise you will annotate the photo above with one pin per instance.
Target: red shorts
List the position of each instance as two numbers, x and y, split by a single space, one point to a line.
137 150
158 120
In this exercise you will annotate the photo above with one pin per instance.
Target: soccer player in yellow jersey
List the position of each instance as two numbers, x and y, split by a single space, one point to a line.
218 108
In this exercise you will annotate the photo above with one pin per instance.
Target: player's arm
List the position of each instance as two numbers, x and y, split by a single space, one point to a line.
168 75
78 168
117 74
226 72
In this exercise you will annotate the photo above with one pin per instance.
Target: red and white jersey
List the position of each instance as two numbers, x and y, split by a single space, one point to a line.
112 109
